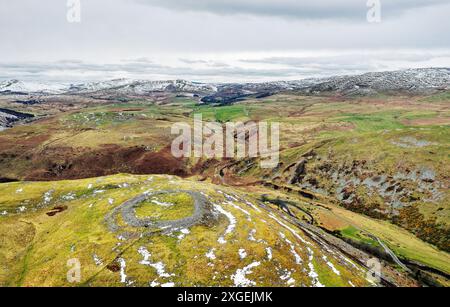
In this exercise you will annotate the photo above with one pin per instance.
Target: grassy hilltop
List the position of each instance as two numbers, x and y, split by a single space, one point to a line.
235 243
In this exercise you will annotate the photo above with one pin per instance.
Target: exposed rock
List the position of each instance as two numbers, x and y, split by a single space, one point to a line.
299 172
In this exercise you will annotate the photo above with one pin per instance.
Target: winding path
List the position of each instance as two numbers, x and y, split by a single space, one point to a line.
391 253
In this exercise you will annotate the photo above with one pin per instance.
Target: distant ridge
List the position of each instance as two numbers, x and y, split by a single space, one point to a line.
422 80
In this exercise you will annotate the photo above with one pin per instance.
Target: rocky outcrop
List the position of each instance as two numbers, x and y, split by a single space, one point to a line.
358 187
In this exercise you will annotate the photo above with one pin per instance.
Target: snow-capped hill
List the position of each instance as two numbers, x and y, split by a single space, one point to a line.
141 87
175 86
414 81
26 87
91 87
411 80
179 86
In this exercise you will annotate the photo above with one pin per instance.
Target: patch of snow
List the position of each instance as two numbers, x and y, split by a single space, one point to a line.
312 273
242 253
251 235
269 253
159 266
240 277
21 208
97 260
162 204
287 277
4 213
183 233
210 254
68 196
160 269
230 227
335 271
290 229
123 265
253 206
19 190
48 197
145 254
238 208
168 285
298 259
227 196
90 186
110 201
351 263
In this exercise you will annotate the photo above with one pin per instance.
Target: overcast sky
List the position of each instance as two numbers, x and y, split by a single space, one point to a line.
219 40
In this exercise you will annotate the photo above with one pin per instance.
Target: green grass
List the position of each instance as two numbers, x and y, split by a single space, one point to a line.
224 114
170 207
403 243
441 97
374 121
354 234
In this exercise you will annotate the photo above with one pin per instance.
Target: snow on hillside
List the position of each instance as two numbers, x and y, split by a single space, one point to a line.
412 80
16 86
141 87
6 119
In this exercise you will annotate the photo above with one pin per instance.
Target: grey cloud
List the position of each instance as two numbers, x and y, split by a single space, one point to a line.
44 71
204 62
113 29
299 9
249 69
189 61
350 60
